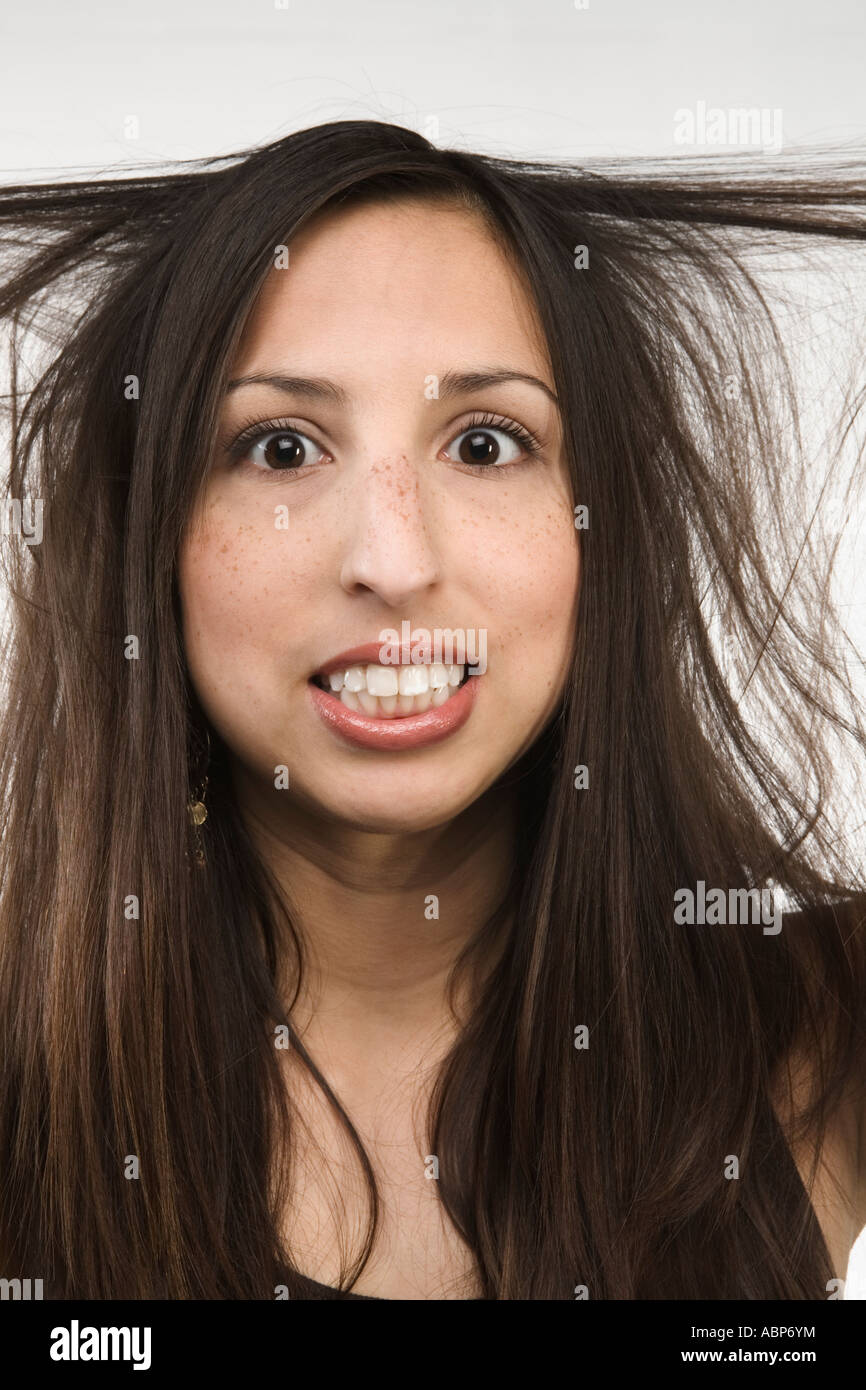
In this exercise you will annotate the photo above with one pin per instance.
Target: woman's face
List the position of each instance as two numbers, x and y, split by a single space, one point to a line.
377 499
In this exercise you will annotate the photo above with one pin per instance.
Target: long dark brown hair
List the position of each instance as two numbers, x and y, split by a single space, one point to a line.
601 1166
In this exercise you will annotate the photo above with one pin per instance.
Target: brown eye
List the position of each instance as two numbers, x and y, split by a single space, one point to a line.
479 447
490 446
282 450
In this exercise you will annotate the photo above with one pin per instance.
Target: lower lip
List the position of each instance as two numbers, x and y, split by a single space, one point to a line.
408 731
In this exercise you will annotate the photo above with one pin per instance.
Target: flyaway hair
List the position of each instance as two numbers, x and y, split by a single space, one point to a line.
713 701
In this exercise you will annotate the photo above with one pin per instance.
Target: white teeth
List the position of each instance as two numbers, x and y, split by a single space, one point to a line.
413 680
382 680
390 692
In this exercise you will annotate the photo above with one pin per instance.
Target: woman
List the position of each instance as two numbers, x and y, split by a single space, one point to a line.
339 962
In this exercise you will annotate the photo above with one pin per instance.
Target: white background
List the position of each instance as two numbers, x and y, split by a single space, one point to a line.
544 78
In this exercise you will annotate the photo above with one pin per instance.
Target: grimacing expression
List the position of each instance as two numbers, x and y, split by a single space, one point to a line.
390 518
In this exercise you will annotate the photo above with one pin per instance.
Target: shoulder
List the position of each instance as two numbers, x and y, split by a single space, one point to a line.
831 1169
832 1166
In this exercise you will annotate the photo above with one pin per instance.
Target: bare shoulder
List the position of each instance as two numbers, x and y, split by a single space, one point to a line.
833 1171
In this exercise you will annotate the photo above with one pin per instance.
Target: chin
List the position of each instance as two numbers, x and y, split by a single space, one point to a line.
393 810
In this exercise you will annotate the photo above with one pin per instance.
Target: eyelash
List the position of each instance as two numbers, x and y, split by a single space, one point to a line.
257 430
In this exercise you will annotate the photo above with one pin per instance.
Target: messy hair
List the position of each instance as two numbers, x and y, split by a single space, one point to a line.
710 703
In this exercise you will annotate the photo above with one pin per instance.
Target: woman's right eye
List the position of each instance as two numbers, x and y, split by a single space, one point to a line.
277 451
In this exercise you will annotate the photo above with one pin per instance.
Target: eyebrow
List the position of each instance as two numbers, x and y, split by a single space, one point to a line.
451 384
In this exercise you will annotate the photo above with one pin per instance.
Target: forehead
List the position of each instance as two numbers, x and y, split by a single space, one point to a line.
405 280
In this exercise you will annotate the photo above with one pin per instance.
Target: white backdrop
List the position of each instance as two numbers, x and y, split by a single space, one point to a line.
93 83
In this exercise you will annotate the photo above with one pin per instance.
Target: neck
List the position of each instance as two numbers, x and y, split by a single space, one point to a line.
382 917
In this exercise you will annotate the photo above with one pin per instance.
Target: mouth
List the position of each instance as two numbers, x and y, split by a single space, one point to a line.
417 705
393 692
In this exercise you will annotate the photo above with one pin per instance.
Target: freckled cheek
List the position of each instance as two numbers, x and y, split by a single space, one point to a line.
532 582
243 590
531 577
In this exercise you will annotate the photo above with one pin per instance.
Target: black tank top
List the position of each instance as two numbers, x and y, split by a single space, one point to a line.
313 1289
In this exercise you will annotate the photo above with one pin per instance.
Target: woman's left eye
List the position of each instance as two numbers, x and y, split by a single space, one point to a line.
493 446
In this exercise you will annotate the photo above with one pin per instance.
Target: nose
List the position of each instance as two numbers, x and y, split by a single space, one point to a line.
390 550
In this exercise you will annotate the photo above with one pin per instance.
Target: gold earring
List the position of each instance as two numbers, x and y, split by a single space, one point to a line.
197 811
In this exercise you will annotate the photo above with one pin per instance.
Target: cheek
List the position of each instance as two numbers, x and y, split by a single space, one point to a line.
240 592
531 575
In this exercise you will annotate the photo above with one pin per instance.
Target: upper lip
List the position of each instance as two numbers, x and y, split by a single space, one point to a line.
365 655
